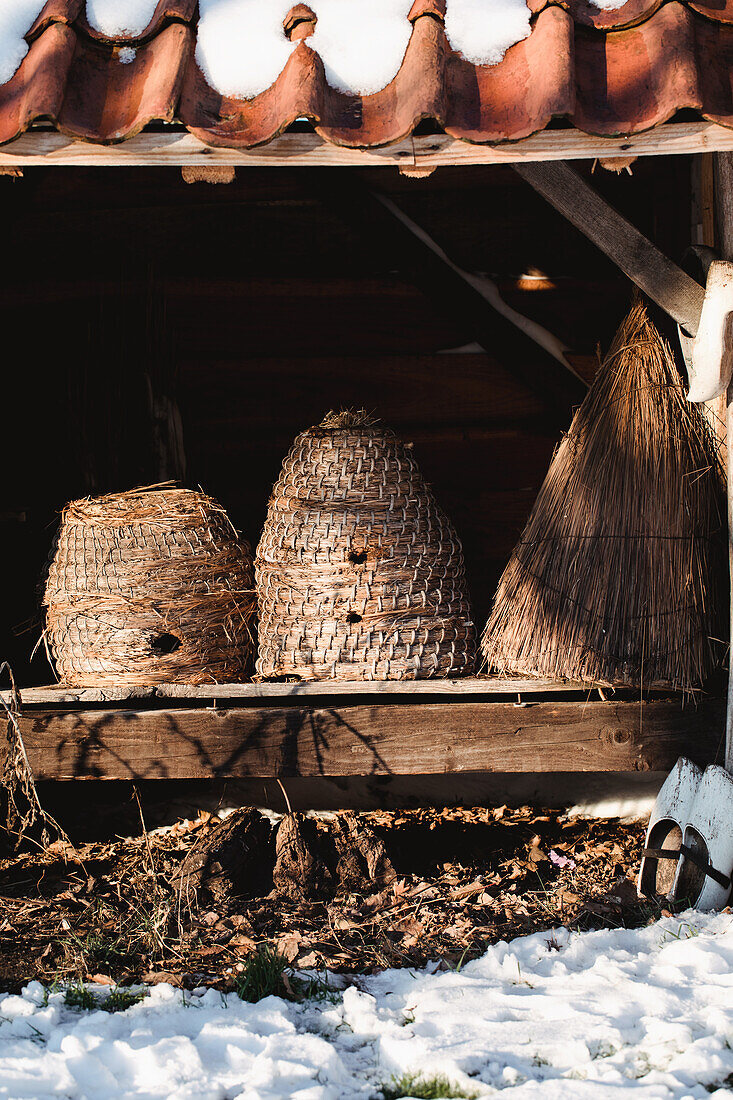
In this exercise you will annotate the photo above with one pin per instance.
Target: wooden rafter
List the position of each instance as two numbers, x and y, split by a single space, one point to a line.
486 288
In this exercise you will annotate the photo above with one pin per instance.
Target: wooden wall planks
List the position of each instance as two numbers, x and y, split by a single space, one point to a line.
351 737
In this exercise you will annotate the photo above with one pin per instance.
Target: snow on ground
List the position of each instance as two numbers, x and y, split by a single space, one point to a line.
562 1016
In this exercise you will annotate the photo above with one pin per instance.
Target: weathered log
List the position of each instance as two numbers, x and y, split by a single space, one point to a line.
350 736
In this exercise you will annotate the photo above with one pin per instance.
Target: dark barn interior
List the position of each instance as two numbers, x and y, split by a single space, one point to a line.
156 329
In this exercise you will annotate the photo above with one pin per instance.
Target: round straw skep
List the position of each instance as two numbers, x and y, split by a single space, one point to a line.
619 575
359 573
149 586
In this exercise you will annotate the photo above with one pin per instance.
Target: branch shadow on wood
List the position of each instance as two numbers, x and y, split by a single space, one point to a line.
285 740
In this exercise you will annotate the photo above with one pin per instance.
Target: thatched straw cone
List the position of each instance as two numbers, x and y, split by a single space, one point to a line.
359 573
146 587
619 575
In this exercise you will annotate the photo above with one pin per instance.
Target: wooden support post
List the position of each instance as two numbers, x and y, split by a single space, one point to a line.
724 214
704 240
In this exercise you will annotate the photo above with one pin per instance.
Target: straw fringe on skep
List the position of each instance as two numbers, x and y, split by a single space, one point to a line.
359 573
130 568
619 575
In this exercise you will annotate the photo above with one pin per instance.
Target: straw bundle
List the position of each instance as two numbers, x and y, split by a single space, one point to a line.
619 575
359 573
149 586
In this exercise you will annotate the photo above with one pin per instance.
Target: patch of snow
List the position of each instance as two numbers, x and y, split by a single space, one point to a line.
608 5
120 18
242 47
126 55
552 1016
625 808
362 46
16 19
482 32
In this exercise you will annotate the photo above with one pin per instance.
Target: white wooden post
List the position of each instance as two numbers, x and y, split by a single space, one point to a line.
724 218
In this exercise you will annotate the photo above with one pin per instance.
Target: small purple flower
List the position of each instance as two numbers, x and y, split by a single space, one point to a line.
560 860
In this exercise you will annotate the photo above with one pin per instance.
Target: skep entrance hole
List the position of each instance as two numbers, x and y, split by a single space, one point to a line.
164 644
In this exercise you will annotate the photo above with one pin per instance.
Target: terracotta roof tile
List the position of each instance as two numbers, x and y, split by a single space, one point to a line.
605 72
55 11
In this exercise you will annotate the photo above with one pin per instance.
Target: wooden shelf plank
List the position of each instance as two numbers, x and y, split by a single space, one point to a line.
302 148
481 686
360 738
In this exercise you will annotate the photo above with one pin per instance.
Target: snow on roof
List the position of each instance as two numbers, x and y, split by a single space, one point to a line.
119 18
242 47
238 72
481 32
16 19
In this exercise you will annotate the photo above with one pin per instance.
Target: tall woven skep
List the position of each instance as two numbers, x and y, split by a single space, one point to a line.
149 586
619 575
359 573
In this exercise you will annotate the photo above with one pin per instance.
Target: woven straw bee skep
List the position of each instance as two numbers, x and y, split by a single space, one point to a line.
620 574
150 586
359 573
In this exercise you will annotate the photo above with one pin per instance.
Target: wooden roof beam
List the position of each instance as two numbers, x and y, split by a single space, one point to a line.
485 287
299 146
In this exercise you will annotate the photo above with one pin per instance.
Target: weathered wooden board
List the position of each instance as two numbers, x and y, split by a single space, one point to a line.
724 218
305 148
355 738
480 686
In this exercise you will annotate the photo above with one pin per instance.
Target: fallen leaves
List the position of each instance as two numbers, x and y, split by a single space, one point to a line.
289 945
430 885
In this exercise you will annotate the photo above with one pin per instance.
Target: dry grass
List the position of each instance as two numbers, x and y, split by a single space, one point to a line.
466 879
25 817
347 418
619 575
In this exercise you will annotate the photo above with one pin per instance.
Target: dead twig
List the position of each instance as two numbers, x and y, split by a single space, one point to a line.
23 812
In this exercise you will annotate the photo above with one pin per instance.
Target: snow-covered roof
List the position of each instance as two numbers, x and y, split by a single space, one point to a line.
237 72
